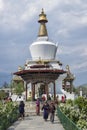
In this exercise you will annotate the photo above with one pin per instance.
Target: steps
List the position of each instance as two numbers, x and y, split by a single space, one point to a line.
30 108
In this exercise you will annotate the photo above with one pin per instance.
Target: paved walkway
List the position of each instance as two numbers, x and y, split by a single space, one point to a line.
36 123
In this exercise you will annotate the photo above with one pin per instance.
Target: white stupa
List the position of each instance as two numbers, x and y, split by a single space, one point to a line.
42 48
43 68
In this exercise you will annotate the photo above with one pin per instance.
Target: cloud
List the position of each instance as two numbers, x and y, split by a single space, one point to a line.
67 25
63 32
1 5
16 14
79 49
75 56
80 67
84 53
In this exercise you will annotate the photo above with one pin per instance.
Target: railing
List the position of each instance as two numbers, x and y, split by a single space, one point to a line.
66 122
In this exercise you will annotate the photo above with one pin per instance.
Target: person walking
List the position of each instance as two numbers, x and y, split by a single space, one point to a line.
21 109
52 112
45 109
38 107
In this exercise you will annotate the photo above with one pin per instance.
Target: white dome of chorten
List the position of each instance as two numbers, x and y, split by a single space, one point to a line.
42 48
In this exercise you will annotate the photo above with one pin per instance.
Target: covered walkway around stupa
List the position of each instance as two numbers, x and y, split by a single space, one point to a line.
45 76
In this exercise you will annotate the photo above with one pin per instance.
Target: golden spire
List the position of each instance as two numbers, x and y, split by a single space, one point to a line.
42 20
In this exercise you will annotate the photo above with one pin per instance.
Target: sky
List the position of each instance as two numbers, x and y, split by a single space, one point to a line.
67 26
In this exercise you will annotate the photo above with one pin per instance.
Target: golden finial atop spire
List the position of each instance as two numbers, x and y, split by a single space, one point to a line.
42 17
42 20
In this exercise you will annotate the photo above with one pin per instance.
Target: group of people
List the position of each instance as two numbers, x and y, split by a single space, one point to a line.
47 108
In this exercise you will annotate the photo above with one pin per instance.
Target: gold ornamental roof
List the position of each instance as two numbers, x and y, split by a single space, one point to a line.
42 17
42 20
70 76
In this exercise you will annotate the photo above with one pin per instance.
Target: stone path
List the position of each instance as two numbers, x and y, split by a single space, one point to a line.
36 123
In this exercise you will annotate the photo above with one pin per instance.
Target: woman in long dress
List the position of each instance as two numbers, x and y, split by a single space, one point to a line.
52 111
21 109
45 109
38 107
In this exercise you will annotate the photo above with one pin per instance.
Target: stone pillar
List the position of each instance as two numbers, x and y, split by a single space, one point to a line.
33 92
26 90
46 90
54 90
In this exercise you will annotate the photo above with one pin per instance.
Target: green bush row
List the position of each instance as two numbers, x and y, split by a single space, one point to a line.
8 114
76 111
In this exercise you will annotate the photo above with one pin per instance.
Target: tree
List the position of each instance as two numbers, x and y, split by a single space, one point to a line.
19 88
2 94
